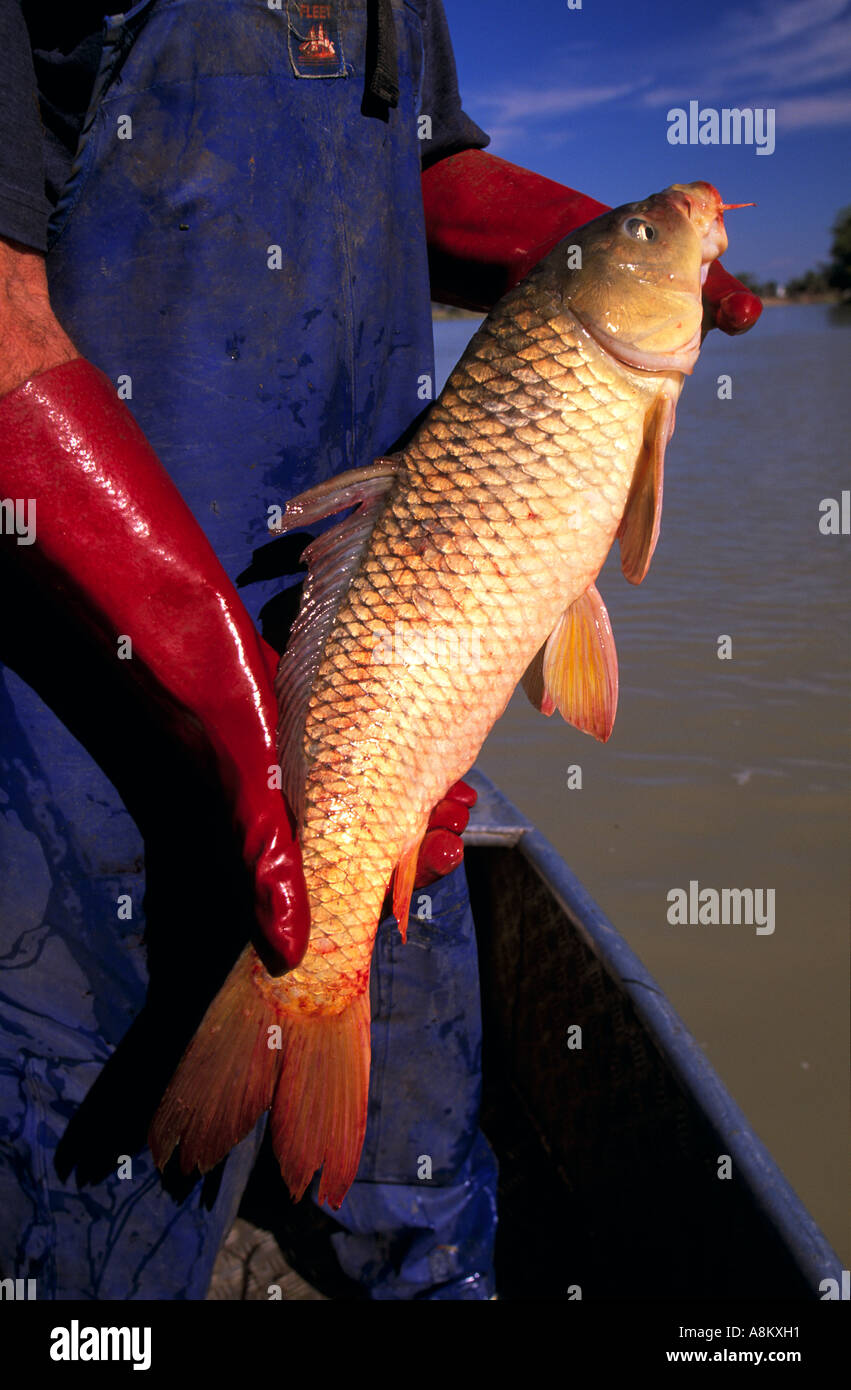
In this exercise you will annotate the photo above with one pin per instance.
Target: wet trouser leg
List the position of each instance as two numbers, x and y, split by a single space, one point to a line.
420 1219
73 978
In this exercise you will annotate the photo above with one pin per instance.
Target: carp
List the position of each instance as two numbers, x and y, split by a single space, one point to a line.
488 529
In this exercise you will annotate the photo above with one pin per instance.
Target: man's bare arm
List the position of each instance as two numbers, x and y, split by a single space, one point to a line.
31 338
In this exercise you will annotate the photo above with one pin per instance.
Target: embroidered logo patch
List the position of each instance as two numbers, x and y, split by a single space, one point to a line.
315 43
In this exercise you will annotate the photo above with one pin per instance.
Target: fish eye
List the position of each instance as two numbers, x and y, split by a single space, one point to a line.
638 228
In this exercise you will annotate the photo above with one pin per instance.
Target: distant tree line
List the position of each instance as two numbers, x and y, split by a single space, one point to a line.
834 277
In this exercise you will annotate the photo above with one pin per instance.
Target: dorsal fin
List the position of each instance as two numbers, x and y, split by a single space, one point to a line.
576 670
332 560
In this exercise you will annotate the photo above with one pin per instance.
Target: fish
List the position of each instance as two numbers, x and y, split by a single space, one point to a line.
466 568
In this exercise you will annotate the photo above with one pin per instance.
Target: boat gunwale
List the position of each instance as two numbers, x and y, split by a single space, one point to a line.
769 1189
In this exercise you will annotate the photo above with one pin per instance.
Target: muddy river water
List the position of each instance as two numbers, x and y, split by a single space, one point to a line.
729 762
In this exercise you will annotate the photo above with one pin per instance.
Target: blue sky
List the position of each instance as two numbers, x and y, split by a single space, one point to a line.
583 95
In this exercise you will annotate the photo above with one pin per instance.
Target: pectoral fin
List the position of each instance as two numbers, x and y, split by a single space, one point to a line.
576 671
639 528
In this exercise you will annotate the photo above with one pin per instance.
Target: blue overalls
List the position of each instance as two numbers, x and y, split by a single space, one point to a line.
242 251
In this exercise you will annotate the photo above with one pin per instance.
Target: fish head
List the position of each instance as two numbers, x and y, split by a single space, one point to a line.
638 288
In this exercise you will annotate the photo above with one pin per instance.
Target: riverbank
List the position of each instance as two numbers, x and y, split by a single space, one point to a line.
440 312
773 300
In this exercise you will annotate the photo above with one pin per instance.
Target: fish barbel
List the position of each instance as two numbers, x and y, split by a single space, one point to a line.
467 566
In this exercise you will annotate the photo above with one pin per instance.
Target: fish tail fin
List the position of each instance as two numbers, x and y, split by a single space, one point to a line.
319 1110
226 1077
252 1051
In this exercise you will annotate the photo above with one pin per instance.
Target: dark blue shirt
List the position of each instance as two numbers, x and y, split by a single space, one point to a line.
49 57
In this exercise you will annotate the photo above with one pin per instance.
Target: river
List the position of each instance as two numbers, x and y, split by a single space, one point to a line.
731 772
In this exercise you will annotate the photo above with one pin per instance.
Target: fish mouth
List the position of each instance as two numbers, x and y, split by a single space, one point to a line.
682 360
701 204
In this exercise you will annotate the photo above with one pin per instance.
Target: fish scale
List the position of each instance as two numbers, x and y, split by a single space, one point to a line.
582 455
486 532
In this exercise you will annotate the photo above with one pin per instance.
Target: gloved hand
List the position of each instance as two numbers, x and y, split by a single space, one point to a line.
114 539
442 849
727 303
488 222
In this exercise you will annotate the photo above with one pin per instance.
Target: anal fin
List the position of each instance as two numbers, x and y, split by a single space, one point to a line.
576 671
403 884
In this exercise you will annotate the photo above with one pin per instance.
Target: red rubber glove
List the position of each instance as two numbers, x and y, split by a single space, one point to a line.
488 222
442 849
114 539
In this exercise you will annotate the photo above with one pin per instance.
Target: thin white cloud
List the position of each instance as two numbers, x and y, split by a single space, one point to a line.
503 135
771 22
804 113
512 105
757 57
730 69
811 58
783 53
